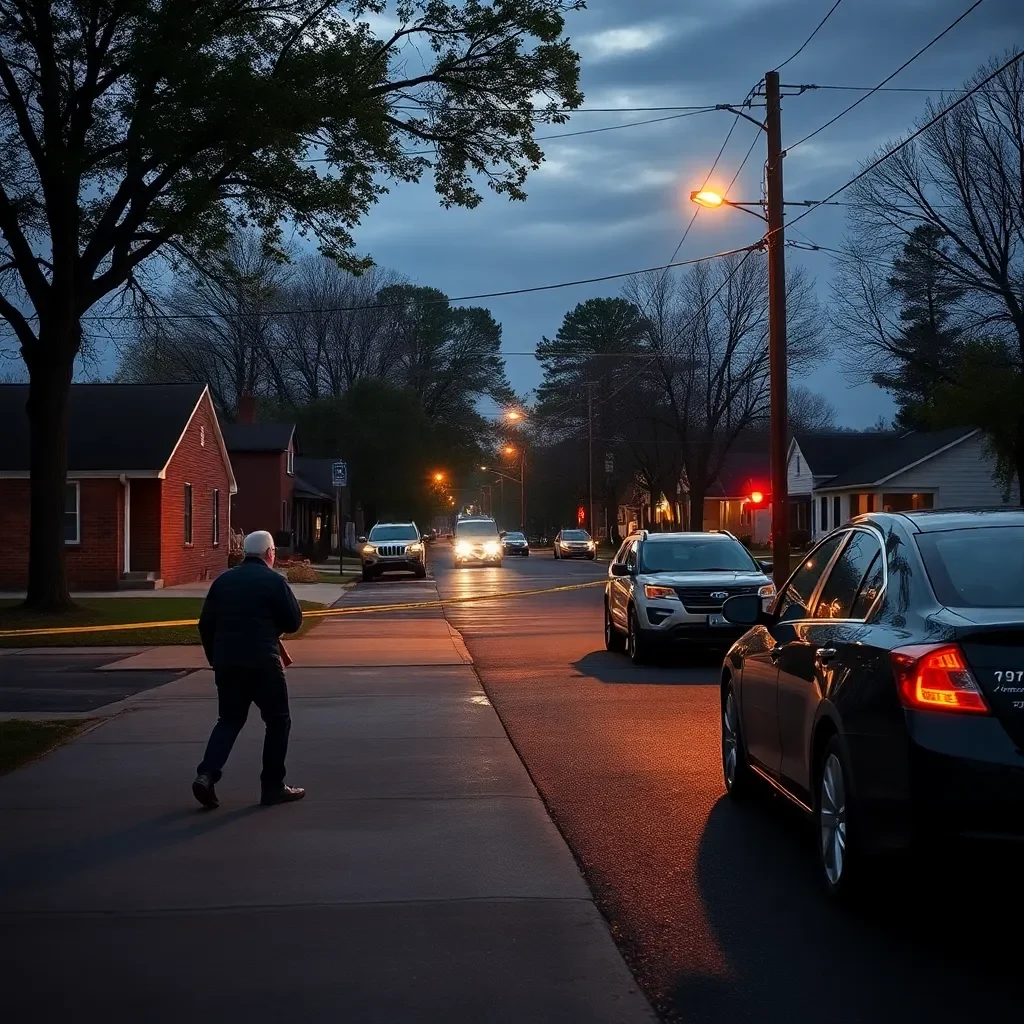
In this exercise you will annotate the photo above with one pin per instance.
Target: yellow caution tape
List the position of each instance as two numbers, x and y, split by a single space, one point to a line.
315 613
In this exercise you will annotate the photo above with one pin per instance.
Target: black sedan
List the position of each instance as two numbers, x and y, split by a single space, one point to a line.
883 693
513 543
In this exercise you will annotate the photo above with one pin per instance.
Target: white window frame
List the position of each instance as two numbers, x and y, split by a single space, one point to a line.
78 512
215 502
290 462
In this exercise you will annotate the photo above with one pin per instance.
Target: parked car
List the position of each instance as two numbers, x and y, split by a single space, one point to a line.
514 543
670 588
883 691
392 547
477 540
575 544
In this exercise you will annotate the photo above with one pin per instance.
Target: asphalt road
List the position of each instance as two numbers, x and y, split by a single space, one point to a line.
44 681
715 906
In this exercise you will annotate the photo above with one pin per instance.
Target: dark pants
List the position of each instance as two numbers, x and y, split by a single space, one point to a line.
237 688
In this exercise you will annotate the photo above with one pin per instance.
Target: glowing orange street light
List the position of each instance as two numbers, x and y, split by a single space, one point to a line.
439 478
706 198
514 415
509 450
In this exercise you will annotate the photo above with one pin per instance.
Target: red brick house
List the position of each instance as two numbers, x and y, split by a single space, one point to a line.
149 488
263 458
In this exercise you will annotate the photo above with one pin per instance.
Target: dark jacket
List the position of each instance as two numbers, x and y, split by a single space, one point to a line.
246 611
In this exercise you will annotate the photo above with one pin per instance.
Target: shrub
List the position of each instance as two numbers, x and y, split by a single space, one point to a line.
746 540
799 540
235 558
302 572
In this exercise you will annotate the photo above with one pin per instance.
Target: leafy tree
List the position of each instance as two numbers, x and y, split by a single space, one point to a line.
926 348
135 128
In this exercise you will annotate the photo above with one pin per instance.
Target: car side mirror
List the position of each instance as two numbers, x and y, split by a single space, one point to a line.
619 569
744 610
767 566
361 540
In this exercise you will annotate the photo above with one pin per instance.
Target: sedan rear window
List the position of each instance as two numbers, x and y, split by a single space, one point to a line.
980 568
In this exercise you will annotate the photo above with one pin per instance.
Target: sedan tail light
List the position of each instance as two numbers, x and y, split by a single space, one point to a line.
935 677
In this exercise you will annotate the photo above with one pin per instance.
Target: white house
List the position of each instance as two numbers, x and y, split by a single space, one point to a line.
837 475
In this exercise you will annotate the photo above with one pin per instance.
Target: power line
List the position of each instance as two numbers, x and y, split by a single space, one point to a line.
591 110
429 302
875 88
916 134
817 29
889 78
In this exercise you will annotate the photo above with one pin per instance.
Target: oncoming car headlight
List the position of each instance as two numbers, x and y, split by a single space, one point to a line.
463 547
369 549
654 592
415 548
492 547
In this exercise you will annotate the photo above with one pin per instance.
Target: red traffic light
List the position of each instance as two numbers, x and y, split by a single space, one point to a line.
756 497
581 515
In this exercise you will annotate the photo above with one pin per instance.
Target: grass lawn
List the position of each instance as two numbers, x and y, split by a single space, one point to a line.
109 611
352 573
22 741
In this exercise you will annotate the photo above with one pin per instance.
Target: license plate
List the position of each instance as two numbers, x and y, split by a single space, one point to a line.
717 620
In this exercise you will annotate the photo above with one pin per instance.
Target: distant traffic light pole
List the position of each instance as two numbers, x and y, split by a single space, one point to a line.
777 358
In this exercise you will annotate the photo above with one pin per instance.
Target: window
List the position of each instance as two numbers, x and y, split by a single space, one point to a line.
706 555
216 517
813 517
383 534
631 556
843 585
824 515
284 515
793 601
978 568
907 502
837 514
290 466
746 514
870 588
72 513
188 514
797 463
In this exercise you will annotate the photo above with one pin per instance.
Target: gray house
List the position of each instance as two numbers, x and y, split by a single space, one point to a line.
836 475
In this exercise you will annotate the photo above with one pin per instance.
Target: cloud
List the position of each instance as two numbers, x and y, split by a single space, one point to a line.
616 42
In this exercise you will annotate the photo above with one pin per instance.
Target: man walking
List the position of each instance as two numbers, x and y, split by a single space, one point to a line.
245 613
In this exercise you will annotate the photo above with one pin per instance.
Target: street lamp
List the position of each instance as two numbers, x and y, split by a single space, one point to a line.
439 478
514 416
777 356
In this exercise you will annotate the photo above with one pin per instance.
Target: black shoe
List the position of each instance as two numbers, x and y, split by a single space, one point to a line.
284 795
203 791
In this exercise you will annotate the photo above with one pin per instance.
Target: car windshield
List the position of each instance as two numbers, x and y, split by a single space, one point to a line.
514 536
697 556
980 568
476 528
380 533
575 535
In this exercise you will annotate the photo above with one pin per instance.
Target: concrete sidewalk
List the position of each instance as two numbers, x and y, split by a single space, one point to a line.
421 879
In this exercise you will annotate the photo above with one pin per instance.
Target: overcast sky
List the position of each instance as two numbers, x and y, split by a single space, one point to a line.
617 201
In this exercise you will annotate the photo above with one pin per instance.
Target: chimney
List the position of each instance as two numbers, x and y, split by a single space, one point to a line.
246 408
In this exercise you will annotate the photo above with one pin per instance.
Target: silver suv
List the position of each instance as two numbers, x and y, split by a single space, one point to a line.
392 547
477 540
670 587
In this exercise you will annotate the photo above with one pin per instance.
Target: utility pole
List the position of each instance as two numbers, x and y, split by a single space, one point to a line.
590 458
777 330
522 492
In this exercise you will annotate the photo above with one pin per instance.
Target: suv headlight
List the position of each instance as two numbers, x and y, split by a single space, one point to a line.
492 547
463 547
768 590
654 592
415 548
591 545
369 549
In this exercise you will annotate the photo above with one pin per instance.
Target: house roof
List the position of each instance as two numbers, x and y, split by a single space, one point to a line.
258 437
316 472
304 489
829 453
899 455
112 428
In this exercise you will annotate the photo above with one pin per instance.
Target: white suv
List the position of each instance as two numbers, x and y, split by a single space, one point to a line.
670 587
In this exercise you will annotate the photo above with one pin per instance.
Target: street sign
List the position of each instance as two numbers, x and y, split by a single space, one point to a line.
609 463
339 474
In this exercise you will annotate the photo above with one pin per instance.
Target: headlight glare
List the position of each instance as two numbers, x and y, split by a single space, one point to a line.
369 549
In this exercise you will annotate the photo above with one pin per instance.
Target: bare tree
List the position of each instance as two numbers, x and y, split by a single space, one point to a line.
809 410
964 177
707 333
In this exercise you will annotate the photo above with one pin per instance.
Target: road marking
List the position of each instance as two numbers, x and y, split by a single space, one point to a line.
316 613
